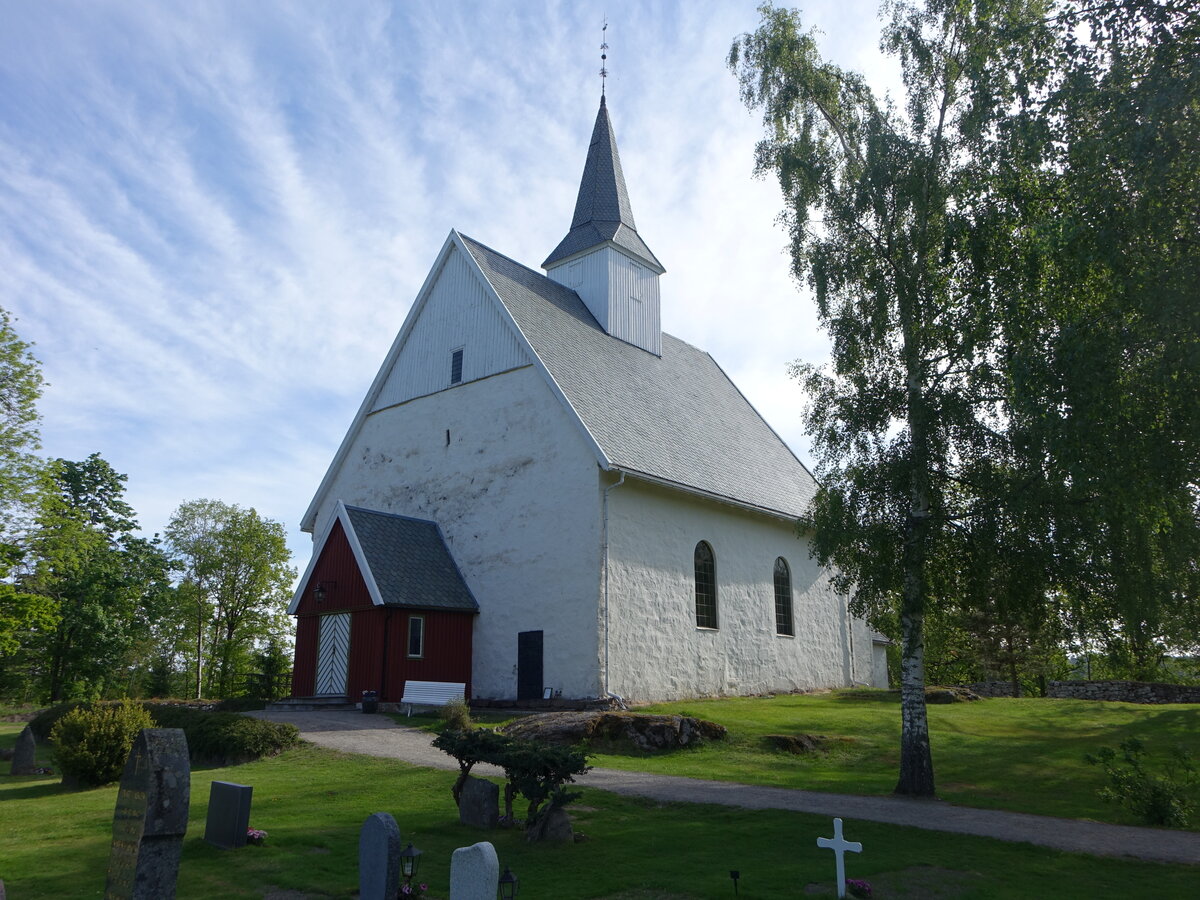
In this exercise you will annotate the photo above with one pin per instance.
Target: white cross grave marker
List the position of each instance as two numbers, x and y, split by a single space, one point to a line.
839 846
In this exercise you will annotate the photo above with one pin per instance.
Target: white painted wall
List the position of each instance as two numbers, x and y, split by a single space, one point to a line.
513 488
656 651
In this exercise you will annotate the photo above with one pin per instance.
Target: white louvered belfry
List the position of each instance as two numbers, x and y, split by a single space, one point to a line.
603 258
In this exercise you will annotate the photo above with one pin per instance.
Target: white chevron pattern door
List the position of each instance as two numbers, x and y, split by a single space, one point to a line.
333 654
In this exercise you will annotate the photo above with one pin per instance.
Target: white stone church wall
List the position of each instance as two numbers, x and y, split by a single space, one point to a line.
657 652
500 466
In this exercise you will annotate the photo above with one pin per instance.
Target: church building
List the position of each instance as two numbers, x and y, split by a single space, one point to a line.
543 495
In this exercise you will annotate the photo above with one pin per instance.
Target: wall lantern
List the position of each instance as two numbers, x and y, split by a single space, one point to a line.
509 886
410 860
321 591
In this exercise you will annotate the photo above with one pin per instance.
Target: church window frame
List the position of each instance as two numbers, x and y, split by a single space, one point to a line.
456 366
704 564
415 646
784 620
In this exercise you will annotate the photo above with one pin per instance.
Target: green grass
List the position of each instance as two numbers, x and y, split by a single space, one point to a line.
1025 755
54 844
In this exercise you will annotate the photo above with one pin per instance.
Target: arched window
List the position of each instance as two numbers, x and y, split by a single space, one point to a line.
706 587
783 597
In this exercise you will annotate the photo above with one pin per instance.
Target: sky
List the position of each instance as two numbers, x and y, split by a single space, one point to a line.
215 216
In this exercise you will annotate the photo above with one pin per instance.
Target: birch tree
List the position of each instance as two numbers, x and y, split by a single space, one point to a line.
881 203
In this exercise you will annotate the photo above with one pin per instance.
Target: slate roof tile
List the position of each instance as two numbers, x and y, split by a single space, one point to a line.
677 418
410 561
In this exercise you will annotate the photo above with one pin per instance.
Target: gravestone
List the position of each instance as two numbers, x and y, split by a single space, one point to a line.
151 817
228 814
474 872
479 803
25 754
553 826
379 858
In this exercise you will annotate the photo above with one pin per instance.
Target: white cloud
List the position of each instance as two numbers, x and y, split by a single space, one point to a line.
214 217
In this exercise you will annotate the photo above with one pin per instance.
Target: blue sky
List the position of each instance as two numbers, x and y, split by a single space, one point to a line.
214 216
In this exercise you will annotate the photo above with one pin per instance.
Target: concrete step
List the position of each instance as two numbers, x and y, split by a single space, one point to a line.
308 704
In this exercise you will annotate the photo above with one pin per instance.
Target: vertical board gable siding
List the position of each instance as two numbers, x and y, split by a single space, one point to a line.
458 313
336 567
607 281
636 321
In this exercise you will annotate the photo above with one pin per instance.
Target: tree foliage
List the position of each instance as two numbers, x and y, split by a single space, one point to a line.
1006 263
105 583
20 387
236 581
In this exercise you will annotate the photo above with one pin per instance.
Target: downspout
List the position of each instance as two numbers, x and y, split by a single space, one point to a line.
604 547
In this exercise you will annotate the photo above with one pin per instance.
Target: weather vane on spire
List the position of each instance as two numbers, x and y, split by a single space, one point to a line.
603 57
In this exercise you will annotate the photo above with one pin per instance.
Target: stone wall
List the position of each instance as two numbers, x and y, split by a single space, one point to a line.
991 688
1127 691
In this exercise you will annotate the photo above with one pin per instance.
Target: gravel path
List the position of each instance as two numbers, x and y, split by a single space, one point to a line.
379 735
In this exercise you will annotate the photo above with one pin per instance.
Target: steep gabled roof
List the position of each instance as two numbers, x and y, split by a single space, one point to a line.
602 209
675 418
404 561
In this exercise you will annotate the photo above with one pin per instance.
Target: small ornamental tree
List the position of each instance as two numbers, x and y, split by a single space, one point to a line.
538 772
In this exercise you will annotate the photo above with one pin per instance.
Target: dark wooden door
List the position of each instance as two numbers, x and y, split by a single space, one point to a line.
529 665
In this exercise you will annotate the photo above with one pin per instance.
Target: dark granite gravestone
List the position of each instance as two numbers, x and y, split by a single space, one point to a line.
228 814
379 858
479 803
25 754
151 817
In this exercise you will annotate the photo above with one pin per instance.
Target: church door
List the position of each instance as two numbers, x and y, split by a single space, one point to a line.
529 665
333 654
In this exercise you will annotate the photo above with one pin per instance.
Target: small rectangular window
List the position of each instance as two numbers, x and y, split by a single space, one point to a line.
416 636
456 359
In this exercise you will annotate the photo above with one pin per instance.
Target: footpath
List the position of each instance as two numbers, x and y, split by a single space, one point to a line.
379 735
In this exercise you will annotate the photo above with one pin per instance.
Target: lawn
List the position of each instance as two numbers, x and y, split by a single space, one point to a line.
1025 755
54 844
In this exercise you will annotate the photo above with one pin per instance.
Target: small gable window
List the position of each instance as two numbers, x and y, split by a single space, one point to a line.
783 598
416 637
706 586
456 366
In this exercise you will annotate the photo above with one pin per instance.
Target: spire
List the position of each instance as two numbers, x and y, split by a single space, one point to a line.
602 210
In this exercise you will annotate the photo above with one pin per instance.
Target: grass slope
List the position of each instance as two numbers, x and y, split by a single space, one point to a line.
54 844
1025 755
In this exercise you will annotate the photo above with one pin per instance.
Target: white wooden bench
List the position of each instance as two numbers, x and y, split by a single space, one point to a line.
431 693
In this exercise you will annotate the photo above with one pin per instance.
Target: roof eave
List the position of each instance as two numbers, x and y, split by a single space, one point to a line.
707 495
650 262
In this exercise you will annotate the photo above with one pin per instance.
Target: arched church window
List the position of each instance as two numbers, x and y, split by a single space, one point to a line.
706 587
783 598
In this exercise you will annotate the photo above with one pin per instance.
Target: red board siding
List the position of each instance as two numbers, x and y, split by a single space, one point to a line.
447 649
373 628
337 569
304 667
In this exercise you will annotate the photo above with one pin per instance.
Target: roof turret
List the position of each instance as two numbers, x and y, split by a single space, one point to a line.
602 210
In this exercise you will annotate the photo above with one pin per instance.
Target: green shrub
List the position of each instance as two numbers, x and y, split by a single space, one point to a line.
216 738
456 715
43 723
91 745
229 738
1161 800
240 704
